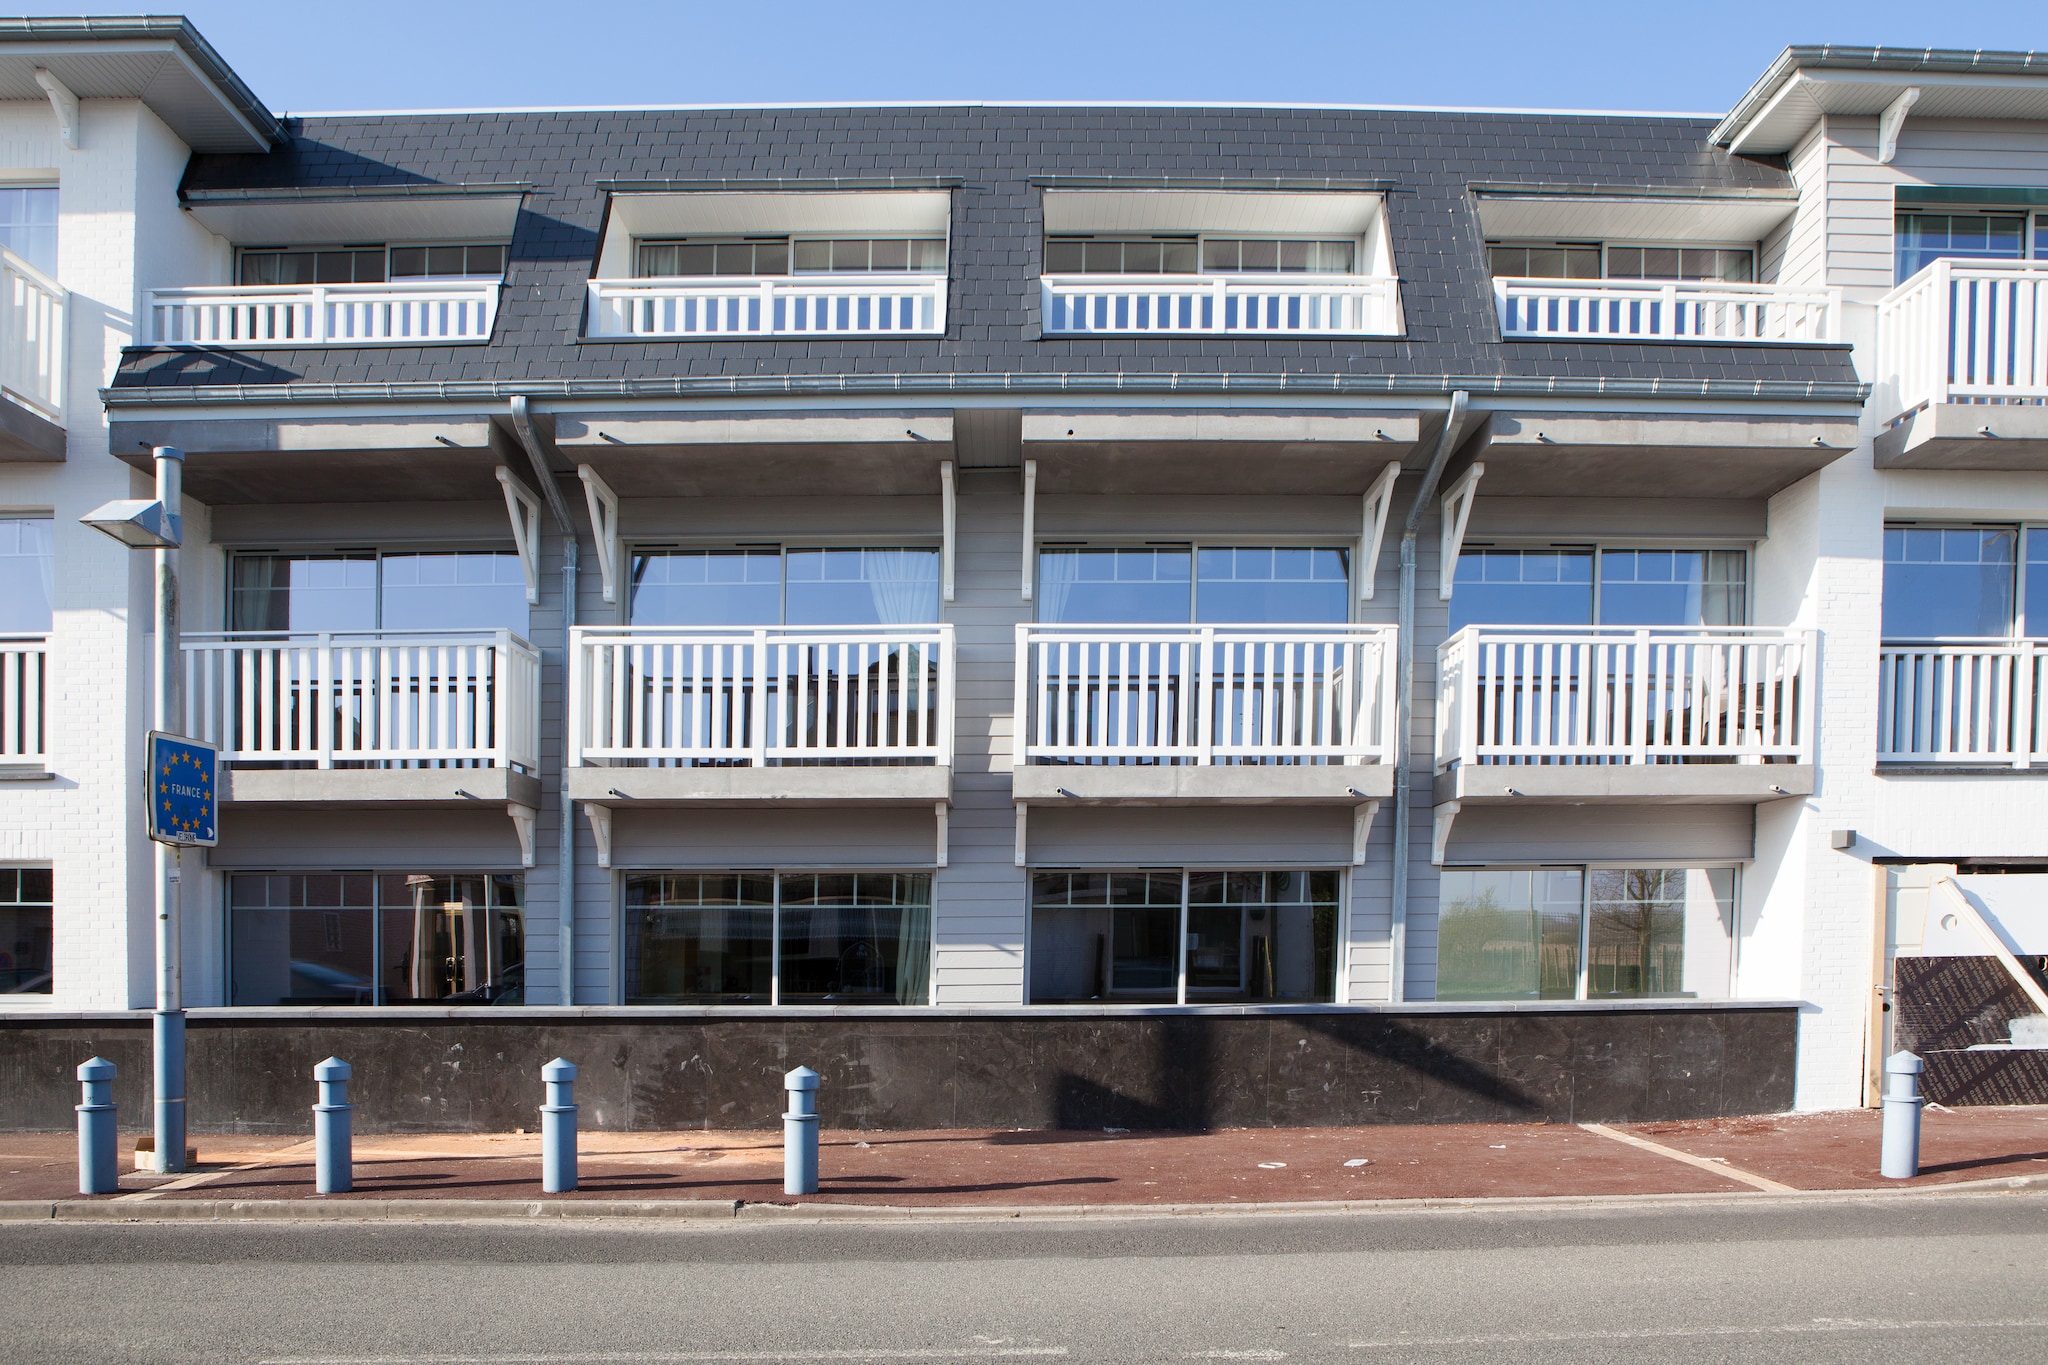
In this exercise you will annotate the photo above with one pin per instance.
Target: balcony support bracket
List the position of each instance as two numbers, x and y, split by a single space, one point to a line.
601 831
1362 817
1030 522
1457 510
1441 837
604 527
1379 500
1892 121
941 813
1022 846
522 822
64 103
524 509
948 521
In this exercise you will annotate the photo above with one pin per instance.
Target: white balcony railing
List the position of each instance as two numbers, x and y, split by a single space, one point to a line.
1221 305
402 313
1967 702
728 307
1632 310
1964 332
1205 694
368 699
24 690
1624 695
33 311
773 695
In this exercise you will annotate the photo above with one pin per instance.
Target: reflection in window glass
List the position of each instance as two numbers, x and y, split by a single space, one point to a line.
356 938
350 265
858 255
699 938
707 588
1672 587
1117 936
1122 256
1659 932
855 938
1267 584
303 592
1132 586
27 910
28 225
1923 238
28 569
454 590
1544 262
801 587
1508 935
862 587
1948 581
1730 265
447 262
2037 583
765 256
1253 255
1536 587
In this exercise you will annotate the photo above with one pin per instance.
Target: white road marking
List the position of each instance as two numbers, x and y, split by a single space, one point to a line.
1817 1326
1715 1164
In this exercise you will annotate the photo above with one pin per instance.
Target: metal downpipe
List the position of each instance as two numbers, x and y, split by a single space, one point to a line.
1404 691
544 478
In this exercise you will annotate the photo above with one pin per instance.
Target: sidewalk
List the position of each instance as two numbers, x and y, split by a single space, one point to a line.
1808 1152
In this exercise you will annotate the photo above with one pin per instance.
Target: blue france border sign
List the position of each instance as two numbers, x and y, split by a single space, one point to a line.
183 775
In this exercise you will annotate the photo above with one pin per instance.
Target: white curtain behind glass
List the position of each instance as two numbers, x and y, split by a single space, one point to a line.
28 569
903 584
1058 571
914 943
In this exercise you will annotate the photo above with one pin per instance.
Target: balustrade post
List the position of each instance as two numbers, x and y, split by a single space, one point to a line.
1808 748
1639 700
500 709
1944 313
757 719
768 327
1205 702
2023 736
318 325
1668 297
326 714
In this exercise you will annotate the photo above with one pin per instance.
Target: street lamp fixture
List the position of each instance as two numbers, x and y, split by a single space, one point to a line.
155 524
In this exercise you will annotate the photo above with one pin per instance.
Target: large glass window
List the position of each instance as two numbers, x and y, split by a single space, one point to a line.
1566 933
28 572
1190 254
361 938
1165 936
365 590
1922 238
758 938
27 907
1588 261
28 225
698 256
767 586
1942 581
370 264
1160 585
1587 586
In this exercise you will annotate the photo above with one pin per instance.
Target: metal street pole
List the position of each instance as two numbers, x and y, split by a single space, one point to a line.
169 1020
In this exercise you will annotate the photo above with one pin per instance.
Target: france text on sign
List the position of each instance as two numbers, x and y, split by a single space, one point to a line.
183 775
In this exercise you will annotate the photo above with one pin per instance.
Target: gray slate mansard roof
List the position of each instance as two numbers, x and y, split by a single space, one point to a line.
1000 156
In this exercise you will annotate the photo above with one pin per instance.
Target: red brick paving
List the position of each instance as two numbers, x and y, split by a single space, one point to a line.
1807 1151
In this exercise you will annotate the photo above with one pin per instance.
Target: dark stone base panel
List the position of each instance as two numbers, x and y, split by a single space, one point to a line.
1943 1006
1151 1072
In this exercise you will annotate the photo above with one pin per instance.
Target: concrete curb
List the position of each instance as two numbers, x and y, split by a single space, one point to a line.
768 1215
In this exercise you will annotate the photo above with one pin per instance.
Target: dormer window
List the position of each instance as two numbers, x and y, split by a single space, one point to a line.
368 264
699 257
1593 261
1192 254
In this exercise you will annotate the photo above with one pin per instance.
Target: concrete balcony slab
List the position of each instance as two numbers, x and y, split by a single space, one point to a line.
332 787
754 787
1192 785
1967 436
1624 454
1667 784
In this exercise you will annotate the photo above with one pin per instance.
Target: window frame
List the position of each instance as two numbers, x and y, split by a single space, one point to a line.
55 226
775 874
1599 546
32 514
2023 529
789 241
233 552
16 996
1754 250
2033 230
1586 868
1360 249
1339 985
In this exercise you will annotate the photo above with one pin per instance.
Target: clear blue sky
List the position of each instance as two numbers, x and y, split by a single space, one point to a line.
1648 54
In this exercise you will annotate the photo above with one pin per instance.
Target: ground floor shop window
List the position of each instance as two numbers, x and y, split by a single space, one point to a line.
1579 933
1183 936
363 938
792 938
25 930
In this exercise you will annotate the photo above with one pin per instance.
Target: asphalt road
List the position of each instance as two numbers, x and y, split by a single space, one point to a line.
1954 1278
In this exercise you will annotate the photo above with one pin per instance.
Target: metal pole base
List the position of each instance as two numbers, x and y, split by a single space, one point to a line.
168 1029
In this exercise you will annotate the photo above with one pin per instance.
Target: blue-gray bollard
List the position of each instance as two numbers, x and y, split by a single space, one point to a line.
98 1146
1900 1158
333 1135
800 1133
558 1128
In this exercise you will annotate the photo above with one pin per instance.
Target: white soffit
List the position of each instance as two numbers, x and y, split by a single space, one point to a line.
716 213
1791 114
153 70
295 221
1334 213
1585 218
